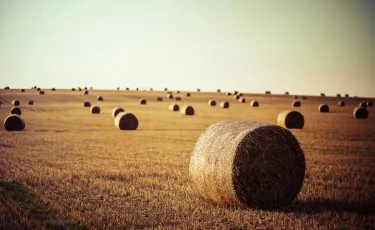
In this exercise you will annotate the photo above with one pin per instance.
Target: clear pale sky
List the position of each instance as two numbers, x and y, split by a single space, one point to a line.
300 46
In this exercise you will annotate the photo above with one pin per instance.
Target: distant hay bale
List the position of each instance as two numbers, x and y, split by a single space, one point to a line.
212 103
178 98
79 89
247 163
126 121
177 91
360 113
16 110
323 108
229 94
187 110
240 94
224 104
165 89
142 101
73 89
38 89
118 88
268 92
254 103
87 104
218 90
14 122
31 102
85 88
22 90
159 99
235 92
304 98
363 104
41 92
170 96
100 98
346 95
322 95
369 103
86 92
341 103
116 111
242 100
95 110
286 93
151 89
16 102
174 107
136 89
295 97
296 103
53 89
338 95
290 119
91 88
127 89
198 90
188 94
6 87
236 96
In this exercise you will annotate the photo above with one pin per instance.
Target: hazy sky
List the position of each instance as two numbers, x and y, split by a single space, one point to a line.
303 46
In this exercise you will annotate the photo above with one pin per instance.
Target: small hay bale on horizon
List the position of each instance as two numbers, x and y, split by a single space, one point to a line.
295 97
254 103
323 108
87 104
14 122
116 111
143 101
178 98
170 96
165 89
22 90
247 164
86 92
338 95
159 99
212 103
187 110
31 102
322 95
341 103
16 110
296 103
224 105
304 98
198 90
286 93
228 93
41 92
95 110
188 94
53 89
126 121
218 90
290 119
100 98
73 89
268 92
16 102
346 95
174 107
360 113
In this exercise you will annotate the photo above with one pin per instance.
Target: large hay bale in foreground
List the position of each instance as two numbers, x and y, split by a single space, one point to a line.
95 110
341 103
291 119
254 103
143 101
360 113
14 122
174 107
126 121
369 103
16 110
100 98
116 111
187 110
31 102
212 103
247 163
296 103
224 104
323 108
16 102
363 104
87 104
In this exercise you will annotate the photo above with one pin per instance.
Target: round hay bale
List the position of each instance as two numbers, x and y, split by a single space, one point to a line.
235 92
198 90
247 163
159 99
126 121
290 119
6 87
174 107
187 110
116 111
240 94
143 101
178 98
85 88
22 90
100 98
229 94
73 89
79 89
53 89
95 110
296 103
346 95
236 96
87 104
91 88
369 103
338 95
363 104
224 105
38 89
254 103
212 103
322 95
268 92
295 97
127 89
16 102
304 98
136 89
218 90
341 103
165 89
286 93
16 110
118 88
14 122
170 96
41 92
360 113
242 100
86 92
31 102
323 108
188 94
151 89
177 91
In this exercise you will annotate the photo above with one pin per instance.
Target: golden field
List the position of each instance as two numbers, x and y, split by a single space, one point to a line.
70 169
